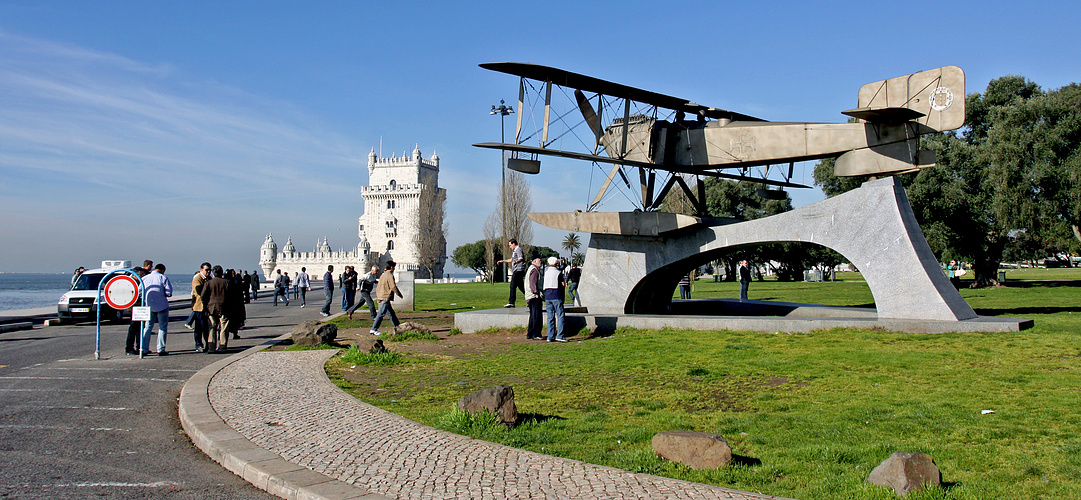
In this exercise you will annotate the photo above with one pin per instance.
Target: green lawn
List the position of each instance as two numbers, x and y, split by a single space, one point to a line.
809 415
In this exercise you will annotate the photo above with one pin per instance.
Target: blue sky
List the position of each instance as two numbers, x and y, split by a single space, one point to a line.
186 131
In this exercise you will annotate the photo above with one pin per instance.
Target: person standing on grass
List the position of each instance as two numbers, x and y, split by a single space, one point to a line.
744 279
158 290
552 281
328 290
534 299
517 264
685 287
367 286
303 283
574 275
385 292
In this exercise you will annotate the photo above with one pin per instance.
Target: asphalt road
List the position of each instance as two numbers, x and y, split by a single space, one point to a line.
75 427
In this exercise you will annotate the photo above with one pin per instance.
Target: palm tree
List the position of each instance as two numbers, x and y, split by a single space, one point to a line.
571 243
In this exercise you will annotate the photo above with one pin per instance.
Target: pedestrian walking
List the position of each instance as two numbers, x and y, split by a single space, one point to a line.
574 275
281 287
303 284
367 286
328 290
384 292
685 287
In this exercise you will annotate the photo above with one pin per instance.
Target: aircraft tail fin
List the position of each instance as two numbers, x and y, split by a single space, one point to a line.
935 98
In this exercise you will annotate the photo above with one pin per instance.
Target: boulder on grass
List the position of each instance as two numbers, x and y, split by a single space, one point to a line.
498 401
697 450
370 345
314 333
906 472
411 326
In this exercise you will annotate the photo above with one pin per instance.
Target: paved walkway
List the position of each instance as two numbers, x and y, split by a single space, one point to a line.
281 412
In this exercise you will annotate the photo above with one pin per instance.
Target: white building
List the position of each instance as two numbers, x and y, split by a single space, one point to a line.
289 260
388 228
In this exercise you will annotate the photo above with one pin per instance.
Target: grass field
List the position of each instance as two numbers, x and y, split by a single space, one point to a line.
809 415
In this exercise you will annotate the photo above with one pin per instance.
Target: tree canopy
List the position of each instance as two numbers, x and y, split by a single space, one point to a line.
471 256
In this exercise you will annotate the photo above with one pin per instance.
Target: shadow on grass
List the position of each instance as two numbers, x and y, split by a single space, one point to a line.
537 417
1025 310
745 461
1041 284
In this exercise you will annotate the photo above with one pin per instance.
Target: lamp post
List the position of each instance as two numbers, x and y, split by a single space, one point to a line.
503 110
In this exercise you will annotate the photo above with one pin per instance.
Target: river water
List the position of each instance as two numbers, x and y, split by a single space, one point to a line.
33 290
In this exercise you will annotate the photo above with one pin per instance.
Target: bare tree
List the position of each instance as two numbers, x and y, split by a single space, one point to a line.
516 200
430 243
491 240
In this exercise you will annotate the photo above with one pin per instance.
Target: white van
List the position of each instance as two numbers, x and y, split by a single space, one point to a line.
81 302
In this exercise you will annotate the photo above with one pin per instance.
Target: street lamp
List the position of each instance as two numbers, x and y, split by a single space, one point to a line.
503 110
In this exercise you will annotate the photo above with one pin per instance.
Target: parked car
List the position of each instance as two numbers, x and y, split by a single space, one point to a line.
81 301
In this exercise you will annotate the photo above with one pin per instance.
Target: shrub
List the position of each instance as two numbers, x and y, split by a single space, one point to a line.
412 335
461 422
355 356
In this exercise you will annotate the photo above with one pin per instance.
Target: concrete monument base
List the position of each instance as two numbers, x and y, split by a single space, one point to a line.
634 262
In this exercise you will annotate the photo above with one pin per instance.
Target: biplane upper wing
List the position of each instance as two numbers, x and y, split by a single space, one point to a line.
569 79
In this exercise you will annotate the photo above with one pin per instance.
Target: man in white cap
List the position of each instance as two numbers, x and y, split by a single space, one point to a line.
553 280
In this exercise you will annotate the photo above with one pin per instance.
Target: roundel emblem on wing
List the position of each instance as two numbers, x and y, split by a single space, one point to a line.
941 98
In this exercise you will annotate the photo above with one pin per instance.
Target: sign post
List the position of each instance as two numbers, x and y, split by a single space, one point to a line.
119 290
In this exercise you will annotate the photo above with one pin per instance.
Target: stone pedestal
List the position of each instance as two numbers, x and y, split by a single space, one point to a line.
407 284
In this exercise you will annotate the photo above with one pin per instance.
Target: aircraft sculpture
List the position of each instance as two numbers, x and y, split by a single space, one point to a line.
659 133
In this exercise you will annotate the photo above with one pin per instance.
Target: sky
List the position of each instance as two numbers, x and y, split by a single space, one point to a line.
187 131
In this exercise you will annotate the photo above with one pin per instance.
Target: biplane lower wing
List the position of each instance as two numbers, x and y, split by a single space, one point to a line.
707 170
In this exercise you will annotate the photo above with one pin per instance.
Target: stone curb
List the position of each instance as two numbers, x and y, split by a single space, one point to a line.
266 470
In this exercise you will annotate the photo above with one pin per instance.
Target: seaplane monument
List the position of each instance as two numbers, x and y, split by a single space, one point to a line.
634 260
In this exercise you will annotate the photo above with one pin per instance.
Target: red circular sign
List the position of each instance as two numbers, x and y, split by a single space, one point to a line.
121 292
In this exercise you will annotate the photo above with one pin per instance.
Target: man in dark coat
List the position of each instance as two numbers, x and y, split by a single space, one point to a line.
218 295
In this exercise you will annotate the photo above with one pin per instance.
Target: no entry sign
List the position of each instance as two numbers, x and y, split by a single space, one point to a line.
121 292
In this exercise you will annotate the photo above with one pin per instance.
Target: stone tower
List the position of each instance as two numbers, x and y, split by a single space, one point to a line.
392 212
268 255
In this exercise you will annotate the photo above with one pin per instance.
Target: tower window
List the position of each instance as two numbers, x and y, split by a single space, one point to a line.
391 204
390 245
393 184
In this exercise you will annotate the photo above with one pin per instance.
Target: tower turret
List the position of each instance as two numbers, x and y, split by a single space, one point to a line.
268 255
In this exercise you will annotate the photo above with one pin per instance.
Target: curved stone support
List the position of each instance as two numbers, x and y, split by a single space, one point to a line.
872 226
